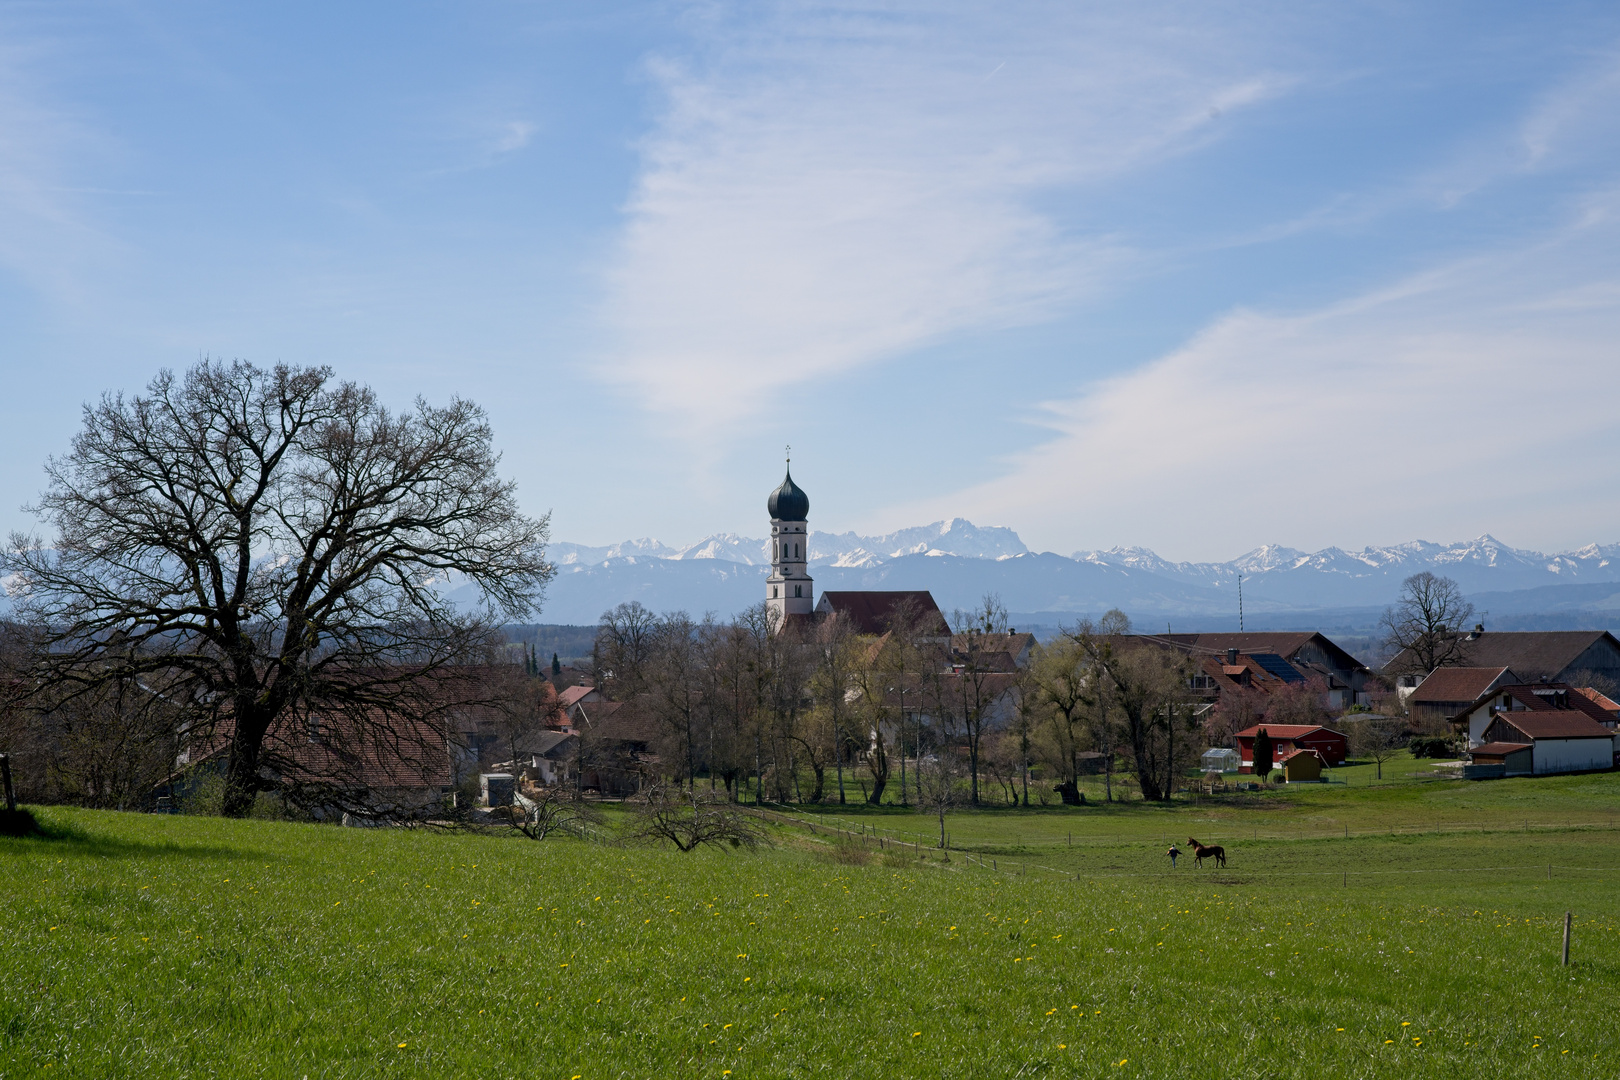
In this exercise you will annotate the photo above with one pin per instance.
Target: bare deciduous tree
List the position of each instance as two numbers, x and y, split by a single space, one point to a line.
625 639
937 787
1427 627
1148 687
689 818
270 544
543 811
1377 737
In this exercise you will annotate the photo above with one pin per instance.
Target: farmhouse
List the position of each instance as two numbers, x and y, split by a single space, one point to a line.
1550 698
616 747
1449 690
1574 656
1286 739
543 757
336 764
1309 655
1558 742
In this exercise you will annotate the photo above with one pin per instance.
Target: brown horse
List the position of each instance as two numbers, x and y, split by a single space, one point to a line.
1201 852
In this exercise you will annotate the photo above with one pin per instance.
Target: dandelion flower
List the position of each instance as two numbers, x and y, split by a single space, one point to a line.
914 1034
401 1046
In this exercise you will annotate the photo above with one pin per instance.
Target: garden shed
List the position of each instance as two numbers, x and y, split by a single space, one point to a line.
1220 760
1302 766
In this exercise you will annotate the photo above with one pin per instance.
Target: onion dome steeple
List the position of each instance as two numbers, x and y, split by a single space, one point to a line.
789 502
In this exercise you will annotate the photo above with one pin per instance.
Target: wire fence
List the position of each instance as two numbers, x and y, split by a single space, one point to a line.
1214 829
985 856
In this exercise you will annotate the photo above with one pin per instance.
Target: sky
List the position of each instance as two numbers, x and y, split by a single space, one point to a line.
1191 276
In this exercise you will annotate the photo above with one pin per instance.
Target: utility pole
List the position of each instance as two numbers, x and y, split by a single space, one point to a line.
1240 603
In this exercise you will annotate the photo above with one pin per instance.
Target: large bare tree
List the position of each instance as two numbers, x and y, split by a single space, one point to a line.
1147 686
271 546
1426 628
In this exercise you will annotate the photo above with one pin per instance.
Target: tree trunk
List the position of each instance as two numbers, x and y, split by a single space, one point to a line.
838 758
1141 753
242 767
973 768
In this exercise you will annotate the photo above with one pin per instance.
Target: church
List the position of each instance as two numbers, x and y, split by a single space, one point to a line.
790 592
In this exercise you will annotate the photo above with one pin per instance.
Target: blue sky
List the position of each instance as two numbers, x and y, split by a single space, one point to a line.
1192 276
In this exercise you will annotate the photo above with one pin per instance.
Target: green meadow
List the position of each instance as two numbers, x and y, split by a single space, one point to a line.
1408 928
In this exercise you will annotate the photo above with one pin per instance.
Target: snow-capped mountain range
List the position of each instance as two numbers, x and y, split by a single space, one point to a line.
960 562
955 537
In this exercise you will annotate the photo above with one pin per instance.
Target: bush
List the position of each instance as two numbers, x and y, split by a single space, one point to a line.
1432 746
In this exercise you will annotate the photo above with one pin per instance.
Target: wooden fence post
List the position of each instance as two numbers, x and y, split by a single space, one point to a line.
1566 938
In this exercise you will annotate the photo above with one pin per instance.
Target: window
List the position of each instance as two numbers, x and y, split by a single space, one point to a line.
798 590
773 592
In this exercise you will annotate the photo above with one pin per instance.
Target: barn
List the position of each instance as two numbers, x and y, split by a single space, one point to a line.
1332 745
1558 743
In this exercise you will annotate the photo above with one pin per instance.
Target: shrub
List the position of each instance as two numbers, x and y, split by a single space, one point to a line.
1432 746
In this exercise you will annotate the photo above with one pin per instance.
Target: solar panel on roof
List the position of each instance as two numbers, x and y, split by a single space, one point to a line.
1277 666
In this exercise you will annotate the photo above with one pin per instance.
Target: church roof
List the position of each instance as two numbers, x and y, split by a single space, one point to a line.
789 502
872 612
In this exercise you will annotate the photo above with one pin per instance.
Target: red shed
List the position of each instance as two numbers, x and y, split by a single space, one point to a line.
1332 745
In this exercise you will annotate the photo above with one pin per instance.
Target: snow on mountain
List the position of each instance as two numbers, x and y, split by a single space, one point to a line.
566 554
964 561
955 537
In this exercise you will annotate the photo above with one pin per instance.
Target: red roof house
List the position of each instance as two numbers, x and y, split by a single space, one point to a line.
1287 739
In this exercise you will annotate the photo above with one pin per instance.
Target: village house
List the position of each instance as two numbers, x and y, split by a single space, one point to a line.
1474 720
1288 739
338 766
1308 654
1449 690
543 758
1541 742
1579 657
616 751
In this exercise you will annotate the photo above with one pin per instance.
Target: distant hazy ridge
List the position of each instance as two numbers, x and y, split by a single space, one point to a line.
960 562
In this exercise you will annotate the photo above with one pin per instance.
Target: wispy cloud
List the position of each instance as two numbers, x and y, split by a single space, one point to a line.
514 135
1476 397
836 184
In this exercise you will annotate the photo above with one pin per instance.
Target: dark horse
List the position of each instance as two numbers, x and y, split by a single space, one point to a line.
1213 851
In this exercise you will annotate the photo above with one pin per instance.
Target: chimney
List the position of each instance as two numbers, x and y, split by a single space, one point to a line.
1231 656
1479 630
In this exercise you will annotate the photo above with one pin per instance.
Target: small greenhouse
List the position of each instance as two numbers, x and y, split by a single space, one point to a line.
1220 760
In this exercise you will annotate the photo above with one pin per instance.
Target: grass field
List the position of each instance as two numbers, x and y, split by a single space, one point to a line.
1424 943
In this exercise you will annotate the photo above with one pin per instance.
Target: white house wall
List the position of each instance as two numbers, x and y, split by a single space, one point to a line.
1572 755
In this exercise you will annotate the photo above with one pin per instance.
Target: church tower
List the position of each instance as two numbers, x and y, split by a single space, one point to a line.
789 590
